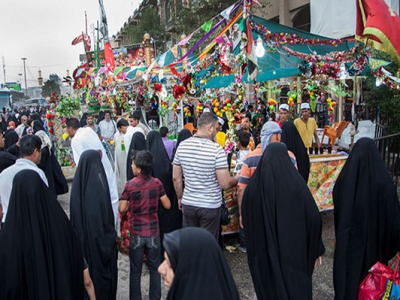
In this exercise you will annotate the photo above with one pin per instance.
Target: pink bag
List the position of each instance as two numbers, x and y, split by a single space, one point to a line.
374 285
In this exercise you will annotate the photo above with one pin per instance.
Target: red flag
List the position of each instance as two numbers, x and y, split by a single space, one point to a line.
379 26
250 40
109 56
83 38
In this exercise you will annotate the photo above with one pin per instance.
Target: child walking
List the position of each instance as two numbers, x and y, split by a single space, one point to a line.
141 195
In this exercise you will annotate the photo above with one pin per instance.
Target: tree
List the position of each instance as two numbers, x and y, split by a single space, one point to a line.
49 88
383 97
150 23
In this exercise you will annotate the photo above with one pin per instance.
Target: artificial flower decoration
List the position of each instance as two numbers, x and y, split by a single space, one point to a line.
331 104
271 104
178 91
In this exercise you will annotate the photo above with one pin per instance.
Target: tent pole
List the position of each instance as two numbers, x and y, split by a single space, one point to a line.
299 95
340 114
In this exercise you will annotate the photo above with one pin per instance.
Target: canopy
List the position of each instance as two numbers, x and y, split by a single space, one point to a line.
277 63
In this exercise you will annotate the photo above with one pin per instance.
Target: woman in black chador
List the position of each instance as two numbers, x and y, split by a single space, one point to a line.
40 255
195 267
93 220
169 219
283 228
138 142
367 218
294 143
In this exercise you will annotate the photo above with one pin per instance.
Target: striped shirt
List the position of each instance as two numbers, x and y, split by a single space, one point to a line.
250 165
199 158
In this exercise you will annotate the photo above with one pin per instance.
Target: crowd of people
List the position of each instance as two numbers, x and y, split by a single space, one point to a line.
170 193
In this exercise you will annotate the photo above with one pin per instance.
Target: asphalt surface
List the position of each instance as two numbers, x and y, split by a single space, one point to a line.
322 277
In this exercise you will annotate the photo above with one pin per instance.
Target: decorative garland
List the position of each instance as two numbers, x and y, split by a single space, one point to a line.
292 39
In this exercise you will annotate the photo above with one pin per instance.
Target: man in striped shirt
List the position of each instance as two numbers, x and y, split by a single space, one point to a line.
203 164
270 133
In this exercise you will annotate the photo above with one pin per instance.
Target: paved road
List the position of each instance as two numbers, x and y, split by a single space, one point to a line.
322 278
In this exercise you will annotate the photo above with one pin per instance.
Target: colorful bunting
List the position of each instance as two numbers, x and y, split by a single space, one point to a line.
207 26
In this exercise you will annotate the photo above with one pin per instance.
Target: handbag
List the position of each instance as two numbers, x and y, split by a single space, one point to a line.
382 282
225 216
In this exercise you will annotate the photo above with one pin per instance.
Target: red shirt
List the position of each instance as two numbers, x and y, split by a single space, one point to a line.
143 193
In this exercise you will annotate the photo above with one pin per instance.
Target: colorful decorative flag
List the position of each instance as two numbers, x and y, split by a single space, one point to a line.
227 11
256 2
220 39
378 26
104 24
252 62
118 70
109 56
207 26
83 38
377 63
185 40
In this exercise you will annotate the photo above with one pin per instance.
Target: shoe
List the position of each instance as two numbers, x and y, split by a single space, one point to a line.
241 249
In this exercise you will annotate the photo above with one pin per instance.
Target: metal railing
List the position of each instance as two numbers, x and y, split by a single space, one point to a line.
389 148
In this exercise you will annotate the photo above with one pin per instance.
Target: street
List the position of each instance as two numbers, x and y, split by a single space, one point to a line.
322 277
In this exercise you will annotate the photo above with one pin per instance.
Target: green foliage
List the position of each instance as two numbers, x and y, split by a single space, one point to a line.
387 99
49 88
67 105
188 19
149 22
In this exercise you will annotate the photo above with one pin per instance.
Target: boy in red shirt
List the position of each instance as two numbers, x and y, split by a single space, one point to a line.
140 196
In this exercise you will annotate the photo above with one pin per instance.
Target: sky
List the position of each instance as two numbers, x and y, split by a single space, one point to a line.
42 32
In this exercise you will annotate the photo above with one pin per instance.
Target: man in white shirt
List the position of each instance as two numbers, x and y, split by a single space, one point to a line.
134 121
107 127
204 165
84 139
24 122
29 148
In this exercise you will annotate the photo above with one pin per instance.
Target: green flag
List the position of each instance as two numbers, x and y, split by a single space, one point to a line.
117 70
207 26
377 63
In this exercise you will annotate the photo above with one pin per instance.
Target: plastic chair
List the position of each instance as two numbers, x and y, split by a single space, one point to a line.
334 132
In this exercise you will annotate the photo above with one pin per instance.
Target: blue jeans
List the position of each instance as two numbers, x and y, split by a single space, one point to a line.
241 235
136 252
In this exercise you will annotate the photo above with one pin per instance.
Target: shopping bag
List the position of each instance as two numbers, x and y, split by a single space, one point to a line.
392 291
377 280
123 242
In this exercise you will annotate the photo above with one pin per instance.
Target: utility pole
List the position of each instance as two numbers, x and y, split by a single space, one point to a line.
4 70
26 86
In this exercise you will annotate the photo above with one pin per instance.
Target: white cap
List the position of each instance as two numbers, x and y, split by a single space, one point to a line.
284 106
221 121
305 106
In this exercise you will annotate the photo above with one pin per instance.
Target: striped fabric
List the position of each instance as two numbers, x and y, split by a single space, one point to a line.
250 165
199 158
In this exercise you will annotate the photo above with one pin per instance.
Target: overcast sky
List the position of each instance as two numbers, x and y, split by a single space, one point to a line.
42 31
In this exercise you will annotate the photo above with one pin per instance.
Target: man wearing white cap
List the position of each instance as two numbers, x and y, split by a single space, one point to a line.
307 126
283 114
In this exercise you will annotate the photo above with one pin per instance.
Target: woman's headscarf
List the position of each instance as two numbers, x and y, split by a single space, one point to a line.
37 125
367 218
201 272
294 143
40 255
6 160
83 120
39 131
184 134
93 220
138 142
283 228
268 130
169 219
